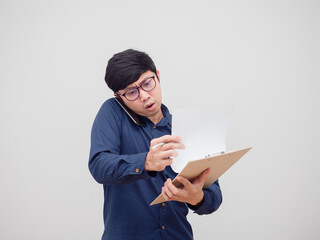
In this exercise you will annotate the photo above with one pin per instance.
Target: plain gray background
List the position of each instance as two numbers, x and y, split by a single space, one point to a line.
261 58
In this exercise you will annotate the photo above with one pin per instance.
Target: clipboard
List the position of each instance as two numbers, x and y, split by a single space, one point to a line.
219 164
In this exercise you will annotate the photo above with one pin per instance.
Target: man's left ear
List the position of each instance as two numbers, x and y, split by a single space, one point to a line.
158 73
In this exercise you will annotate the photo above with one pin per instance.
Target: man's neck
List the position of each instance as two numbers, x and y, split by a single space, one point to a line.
155 119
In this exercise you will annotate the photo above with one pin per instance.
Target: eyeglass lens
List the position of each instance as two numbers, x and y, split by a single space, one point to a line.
147 85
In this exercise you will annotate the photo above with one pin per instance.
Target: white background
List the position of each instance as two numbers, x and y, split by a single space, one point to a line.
261 58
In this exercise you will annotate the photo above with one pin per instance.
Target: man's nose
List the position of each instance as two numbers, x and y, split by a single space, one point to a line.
143 95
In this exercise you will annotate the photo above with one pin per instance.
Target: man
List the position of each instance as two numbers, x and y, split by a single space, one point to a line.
131 153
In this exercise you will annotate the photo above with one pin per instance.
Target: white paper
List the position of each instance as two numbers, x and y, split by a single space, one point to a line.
203 132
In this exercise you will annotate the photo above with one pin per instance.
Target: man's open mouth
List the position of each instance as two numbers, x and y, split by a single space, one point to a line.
148 106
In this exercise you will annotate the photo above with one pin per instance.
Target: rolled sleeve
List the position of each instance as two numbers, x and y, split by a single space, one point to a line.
108 168
211 201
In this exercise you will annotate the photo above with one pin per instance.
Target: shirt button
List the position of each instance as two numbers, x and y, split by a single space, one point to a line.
163 204
163 227
137 170
154 126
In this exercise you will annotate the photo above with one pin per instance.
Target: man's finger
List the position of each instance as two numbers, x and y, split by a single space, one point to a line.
171 187
164 139
185 182
166 162
172 145
203 176
165 196
167 190
168 154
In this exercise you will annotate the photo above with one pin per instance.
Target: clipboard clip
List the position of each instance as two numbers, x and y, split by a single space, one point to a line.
213 154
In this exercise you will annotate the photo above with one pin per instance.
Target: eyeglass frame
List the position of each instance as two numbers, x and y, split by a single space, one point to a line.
137 88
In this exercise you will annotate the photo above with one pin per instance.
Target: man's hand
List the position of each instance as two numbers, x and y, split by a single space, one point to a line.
161 152
191 192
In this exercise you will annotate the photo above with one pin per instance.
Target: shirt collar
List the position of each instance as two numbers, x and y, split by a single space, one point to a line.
167 117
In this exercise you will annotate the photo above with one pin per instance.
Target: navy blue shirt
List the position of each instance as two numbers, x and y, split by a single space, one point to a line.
117 156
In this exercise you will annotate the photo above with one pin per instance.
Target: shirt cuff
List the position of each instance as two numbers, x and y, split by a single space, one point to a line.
203 205
138 167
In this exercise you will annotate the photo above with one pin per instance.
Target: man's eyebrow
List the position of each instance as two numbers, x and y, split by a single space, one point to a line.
128 88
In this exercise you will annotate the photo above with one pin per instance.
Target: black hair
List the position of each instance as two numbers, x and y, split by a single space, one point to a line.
126 67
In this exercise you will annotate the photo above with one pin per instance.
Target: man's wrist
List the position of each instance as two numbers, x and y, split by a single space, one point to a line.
146 163
198 203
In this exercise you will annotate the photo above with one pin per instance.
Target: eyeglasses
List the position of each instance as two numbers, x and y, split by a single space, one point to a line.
133 93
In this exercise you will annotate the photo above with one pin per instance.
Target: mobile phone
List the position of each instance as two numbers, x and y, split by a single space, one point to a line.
134 117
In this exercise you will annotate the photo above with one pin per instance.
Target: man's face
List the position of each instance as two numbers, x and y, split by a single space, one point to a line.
148 104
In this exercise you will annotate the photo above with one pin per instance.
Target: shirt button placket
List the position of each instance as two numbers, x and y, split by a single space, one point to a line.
154 131
163 216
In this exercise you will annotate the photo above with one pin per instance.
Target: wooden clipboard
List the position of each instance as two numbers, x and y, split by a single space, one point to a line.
219 164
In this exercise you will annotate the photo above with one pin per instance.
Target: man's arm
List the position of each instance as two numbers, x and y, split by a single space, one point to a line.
108 166
112 168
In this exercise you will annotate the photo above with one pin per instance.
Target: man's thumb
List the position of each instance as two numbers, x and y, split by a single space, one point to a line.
203 176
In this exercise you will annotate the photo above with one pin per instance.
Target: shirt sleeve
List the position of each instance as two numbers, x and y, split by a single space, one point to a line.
211 201
106 164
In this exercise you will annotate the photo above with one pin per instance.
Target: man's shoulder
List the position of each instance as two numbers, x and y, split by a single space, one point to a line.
110 104
110 108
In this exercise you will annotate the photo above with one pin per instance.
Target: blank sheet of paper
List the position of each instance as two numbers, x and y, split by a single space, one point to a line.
203 132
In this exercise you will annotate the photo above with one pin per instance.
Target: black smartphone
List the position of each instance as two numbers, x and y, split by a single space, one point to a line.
131 114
